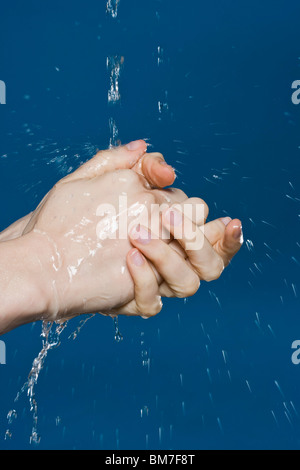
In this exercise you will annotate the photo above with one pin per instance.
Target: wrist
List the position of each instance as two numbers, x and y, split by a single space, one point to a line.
26 294
15 230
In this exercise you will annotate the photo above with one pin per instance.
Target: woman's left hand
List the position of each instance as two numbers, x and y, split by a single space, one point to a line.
174 270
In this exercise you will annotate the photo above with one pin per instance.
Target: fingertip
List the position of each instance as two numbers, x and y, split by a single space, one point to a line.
234 232
135 258
226 220
163 174
137 145
157 171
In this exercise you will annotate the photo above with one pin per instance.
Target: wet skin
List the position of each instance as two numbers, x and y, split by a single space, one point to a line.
71 270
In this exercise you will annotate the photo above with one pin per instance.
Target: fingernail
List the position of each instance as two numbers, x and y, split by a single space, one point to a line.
173 217
135 145
137 258
165 164
141 235
226 220
238 233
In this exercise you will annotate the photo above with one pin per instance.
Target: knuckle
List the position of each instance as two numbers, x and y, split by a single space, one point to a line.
131 177
189 289
216 270
157 155
178 195
149 199
100 154
133 309
159 254
152 309
203 209
156 307
192 287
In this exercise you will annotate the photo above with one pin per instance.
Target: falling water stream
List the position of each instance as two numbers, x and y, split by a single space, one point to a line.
51 339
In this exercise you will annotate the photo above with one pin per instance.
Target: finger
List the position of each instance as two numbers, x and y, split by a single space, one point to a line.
215 229
207 263
165 291
147 301
178 248
157 172
195 209
124 157
231 242
181 279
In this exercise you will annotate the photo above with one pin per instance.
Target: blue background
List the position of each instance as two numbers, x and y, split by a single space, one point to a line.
220 374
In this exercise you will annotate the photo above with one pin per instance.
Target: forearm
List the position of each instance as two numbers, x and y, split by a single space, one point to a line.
23 283
15 230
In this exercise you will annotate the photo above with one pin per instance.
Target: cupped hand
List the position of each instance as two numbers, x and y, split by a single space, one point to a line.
75 225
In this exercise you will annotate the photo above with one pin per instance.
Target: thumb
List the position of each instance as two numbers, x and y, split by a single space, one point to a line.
228 243
116 158
156 171
231 242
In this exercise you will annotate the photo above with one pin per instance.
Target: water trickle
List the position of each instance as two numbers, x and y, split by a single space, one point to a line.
118 335
51 340
11 416
112 8
81 325
114 66
114 133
